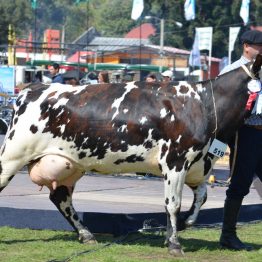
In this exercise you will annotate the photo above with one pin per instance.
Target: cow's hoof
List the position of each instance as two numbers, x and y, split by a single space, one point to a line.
190 222
87 238
89 241
175 250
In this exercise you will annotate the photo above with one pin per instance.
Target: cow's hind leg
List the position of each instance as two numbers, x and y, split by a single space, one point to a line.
200 197
62 198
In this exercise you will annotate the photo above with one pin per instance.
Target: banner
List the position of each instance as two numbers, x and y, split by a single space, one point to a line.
7 80
233 32
194 58
244 11
138 7
190 10
205 35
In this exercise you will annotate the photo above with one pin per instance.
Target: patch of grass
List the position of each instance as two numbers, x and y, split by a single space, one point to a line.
18 245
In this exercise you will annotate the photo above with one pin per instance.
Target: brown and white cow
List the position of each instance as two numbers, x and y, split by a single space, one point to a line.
61 131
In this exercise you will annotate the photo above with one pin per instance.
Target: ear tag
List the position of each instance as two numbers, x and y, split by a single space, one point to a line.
218 148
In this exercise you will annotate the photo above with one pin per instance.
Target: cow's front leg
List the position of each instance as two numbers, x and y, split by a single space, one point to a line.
200 197
174 182
62 198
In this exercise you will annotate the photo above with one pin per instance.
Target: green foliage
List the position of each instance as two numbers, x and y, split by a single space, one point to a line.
16 12
220 14
113 18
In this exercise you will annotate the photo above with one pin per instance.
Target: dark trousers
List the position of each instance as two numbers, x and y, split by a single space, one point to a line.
248 162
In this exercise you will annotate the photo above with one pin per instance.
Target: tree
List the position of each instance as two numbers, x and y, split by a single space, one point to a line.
113 18
16 12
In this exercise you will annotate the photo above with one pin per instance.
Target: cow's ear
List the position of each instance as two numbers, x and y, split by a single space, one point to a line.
257 65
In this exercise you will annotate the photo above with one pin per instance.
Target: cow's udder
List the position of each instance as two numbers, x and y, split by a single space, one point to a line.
53 171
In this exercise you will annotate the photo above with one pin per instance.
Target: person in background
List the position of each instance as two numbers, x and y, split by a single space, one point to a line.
248 146
92 78
127 78
151 78
103 77
56 76
167 76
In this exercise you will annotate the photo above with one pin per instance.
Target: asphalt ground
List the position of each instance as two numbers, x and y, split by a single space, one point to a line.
113 200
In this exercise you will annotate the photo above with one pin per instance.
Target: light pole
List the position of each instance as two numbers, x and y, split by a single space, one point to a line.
162 32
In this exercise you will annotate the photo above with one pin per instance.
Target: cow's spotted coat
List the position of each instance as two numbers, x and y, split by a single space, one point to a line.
163 129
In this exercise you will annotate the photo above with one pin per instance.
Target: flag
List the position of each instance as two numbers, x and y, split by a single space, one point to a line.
190 9
80 1
233 32
244 11
34 4
137 9
194 58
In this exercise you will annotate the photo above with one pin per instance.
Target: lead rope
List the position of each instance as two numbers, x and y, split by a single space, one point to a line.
215 110
249 73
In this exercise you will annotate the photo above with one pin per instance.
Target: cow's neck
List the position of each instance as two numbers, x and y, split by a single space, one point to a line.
230 94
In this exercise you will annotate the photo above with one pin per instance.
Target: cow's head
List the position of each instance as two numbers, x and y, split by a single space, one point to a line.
256 67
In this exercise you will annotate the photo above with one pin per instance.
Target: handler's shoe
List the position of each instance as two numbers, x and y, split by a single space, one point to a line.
233 242
228 238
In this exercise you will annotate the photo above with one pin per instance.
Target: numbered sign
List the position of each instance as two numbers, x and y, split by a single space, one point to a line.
218 148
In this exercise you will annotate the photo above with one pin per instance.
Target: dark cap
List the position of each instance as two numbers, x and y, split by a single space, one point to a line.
55 66
253 37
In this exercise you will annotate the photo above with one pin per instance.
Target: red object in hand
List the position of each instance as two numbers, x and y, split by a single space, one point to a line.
251 99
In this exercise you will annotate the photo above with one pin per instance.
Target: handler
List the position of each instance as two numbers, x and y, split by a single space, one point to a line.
248 150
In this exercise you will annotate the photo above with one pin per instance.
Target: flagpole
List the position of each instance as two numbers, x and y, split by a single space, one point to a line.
229 56
162 28
137 9
229 47
140 47
209 61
